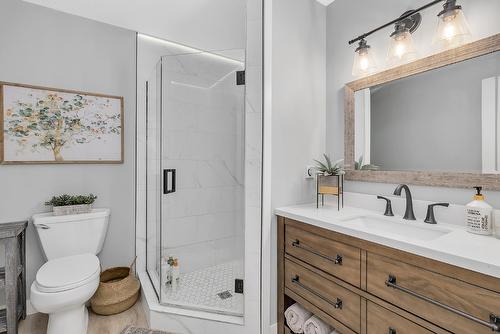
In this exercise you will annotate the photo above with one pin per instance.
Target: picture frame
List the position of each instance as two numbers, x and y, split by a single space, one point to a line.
44 125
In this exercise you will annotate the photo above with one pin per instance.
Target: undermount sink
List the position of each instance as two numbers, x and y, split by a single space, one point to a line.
396 227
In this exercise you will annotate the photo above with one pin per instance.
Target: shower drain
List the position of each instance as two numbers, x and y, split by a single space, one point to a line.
224 295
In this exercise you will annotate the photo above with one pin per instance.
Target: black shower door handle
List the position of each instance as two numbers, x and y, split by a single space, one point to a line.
166 189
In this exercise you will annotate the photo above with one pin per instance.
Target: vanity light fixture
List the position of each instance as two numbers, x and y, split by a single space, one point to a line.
453 29
401 47
364 61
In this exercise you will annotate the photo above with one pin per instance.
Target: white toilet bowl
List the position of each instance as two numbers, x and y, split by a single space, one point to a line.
71 275
61 289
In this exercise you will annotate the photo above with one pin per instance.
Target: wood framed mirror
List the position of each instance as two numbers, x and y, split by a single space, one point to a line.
432 122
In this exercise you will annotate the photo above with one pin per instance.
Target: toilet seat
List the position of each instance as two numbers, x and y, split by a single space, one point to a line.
67 273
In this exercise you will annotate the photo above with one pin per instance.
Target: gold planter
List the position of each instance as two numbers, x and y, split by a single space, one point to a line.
330 185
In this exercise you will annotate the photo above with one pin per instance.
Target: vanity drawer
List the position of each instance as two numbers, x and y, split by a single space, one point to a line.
338 302
338 259
382 321
432 296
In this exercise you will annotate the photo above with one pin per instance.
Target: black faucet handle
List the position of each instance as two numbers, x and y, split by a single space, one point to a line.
388 206
429 217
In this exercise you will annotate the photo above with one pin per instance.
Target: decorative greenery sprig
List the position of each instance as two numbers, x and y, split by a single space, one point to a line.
65 200
358 165
329 168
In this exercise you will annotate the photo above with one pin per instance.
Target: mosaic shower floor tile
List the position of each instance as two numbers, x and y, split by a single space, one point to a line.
210 289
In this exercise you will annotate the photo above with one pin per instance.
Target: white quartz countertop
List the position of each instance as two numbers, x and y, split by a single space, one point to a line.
457 247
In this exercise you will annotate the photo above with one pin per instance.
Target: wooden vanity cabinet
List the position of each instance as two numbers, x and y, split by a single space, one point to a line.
380 320
336 258
341 303
362 287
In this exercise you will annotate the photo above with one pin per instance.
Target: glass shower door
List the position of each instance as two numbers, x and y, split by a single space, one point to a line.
202 199
153 176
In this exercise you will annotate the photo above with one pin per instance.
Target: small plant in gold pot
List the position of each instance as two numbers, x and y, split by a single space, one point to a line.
329 180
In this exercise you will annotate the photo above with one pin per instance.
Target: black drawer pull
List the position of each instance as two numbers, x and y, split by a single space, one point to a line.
337 304
392 331
336 260
494 323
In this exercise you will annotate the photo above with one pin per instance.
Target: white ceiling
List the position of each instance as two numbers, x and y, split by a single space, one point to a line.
325 2
203 24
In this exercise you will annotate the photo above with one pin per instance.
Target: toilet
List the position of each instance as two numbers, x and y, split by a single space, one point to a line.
70 276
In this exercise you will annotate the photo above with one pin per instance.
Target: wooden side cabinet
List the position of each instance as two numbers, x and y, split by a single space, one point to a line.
360 287
12 275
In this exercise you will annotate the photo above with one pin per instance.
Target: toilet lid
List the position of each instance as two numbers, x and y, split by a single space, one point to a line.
67 272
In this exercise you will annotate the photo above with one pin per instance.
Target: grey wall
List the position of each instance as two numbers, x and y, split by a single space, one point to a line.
298 104
341 27
431 121
44 47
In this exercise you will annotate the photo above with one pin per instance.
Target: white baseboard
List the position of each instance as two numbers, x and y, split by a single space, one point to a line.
273 329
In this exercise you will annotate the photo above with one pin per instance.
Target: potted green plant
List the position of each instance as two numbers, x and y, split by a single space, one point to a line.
71 204
328 168
329 180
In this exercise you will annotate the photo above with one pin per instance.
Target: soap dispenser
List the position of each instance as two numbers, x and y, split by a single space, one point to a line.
478 215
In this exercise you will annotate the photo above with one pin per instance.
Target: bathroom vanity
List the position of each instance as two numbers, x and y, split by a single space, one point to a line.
362 272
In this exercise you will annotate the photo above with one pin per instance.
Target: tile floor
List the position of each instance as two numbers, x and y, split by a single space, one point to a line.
114 324
210 289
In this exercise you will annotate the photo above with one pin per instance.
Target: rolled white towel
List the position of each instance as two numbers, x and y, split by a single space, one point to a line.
296 316
315 325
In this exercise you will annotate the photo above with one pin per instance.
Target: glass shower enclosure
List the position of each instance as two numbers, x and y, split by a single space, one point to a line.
195 180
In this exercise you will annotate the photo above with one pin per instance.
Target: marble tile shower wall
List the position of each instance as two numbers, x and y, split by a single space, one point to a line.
203 140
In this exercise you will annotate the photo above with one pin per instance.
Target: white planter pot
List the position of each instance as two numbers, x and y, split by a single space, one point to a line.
71 209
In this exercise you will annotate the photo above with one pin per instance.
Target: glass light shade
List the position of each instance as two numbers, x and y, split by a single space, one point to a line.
364 62
452 29
401 48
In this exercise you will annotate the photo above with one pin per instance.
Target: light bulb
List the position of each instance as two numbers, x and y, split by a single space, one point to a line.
364 62
401 48
452 29
449 31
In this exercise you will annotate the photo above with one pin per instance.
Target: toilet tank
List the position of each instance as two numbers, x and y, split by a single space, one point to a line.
72 234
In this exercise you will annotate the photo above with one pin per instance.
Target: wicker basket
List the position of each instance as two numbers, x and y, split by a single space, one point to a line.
118 291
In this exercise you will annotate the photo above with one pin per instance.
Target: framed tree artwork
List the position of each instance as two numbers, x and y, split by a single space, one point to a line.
45 125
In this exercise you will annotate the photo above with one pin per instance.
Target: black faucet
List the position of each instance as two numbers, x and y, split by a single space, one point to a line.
429 217
388 206
409 215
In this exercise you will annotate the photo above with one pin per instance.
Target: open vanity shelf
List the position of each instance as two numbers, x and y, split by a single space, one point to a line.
361 287
13 275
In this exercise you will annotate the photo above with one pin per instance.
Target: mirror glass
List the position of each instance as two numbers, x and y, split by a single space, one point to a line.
446 119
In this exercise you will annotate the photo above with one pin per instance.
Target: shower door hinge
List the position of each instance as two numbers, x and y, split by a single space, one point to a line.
238 285
240 78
